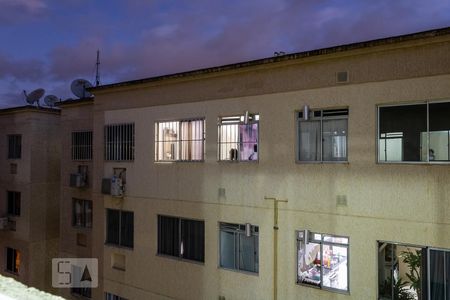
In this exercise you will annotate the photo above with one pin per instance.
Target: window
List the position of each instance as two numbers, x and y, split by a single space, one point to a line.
12 260
182 140
82 213
109 296
238 250
322 260
238 138
322 136
412 272
82 145
120 228
14 146
181 238
82 291
13 203
414 133
119 142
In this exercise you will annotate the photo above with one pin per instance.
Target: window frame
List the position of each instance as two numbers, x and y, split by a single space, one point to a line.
83 213
120 242
81 292
240 230
16 209
180 140
78 151
256 118
112 148
17 146
321 118
321 242
180 254
14 263
377 137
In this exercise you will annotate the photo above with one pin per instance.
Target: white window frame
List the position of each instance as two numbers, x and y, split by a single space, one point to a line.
318 115
318 238
179 140
236 120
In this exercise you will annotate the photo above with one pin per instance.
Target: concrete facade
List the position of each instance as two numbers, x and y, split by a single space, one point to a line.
36 233
406 203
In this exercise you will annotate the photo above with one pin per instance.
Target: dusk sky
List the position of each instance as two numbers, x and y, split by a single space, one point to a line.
48 43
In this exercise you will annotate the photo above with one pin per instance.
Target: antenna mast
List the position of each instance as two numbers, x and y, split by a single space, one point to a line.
97 75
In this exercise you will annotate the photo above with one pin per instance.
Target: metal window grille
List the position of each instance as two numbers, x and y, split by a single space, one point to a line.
82 213
182 140
13 203
238 141
82 145
119 142
14 146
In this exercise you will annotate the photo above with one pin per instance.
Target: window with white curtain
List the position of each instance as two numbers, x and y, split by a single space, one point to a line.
181 140
322 137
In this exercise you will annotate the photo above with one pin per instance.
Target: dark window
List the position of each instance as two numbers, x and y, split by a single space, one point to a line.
84 292
12 260
120 228
110 296
13 203
414 133
181 238
119 142
238 250
322 137
82 213
82 145
14 146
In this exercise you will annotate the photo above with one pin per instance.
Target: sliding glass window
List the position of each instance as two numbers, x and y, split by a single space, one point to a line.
414 133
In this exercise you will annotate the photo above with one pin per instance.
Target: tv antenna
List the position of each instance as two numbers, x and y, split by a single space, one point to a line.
97 74
34 96
50 100
79 86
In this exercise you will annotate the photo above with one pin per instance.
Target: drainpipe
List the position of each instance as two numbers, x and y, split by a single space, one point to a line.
275 244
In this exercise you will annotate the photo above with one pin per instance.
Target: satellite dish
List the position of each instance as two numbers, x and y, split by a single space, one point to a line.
79 86
50 100
34 96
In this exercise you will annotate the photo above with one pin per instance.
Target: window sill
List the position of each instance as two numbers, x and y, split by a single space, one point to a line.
239 271
168 162
12 273
423 163
324 288
118 246
177 258
301 162
83 228
239 161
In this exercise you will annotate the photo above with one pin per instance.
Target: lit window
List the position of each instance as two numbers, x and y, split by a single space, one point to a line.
322 261
180 140
181 238
238 138
82 145
322 136
414 133
239 250
12 260
119 142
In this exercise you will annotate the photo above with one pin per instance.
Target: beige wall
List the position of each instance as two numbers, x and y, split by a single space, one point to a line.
37 178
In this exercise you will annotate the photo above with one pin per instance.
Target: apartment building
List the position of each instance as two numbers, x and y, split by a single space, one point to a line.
76 205
187 168
29 194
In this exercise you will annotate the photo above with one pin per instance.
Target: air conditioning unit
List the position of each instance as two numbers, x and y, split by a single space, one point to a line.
78 180
4 223
113 186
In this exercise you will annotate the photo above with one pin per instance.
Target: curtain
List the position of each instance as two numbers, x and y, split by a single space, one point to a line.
309 141
436 276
